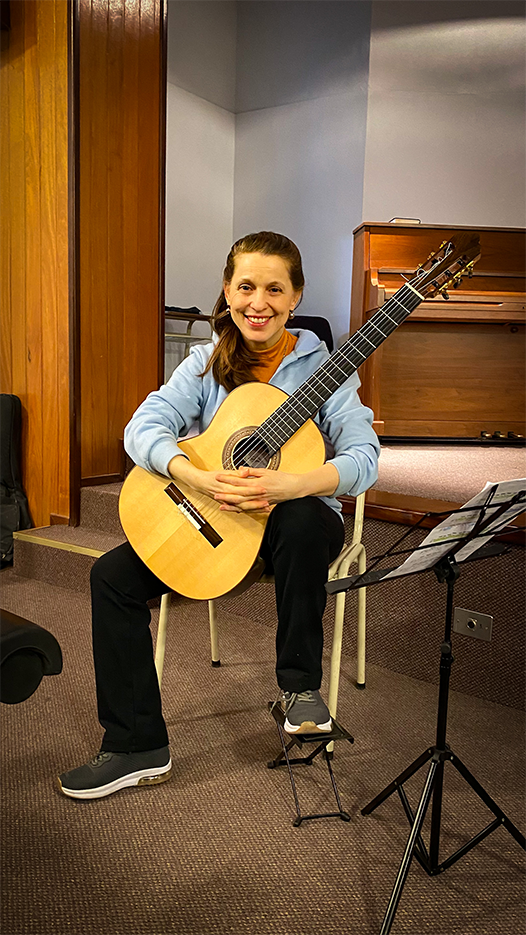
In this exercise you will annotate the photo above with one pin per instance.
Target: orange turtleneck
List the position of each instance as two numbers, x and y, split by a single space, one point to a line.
270 358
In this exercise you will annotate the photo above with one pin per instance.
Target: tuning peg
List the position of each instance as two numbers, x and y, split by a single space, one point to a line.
444 293
433 255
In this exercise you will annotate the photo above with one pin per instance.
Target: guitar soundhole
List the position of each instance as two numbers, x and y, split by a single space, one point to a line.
242 450
252 454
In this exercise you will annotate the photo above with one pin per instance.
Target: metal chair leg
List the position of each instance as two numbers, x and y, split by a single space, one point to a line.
214 636
360 634
160 644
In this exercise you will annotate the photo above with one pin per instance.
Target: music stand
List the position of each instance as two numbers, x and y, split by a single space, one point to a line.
447 570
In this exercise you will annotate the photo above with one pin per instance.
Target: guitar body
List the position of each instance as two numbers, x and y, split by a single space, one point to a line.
166 539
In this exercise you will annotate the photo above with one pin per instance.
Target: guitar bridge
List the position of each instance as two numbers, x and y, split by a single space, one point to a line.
192 514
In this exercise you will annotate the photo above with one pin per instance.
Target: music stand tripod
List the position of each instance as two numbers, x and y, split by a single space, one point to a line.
447 570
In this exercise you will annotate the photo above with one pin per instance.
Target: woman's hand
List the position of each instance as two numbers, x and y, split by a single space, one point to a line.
257 485
254 489
237 492
275 486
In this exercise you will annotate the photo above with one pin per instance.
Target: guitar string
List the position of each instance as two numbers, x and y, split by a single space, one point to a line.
288 409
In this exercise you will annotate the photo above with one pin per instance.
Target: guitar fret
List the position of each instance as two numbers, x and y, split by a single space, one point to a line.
377 329
334 364
369 342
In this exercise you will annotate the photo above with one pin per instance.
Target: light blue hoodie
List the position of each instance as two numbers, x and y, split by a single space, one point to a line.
150 438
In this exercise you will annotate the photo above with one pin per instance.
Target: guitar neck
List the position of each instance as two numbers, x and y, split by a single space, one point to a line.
305 402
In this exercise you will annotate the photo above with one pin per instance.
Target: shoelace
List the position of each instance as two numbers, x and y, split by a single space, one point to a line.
99 758
305 696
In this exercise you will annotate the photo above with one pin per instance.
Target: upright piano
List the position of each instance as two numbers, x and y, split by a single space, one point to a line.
455 368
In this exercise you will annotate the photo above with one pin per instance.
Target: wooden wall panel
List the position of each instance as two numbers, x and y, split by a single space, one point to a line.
35 266
120 160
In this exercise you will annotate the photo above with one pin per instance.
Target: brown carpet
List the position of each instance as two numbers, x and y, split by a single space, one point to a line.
213 850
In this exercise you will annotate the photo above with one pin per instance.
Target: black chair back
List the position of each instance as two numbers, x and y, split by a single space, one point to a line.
320 326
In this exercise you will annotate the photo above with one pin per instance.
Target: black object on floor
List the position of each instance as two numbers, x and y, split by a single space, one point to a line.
14 510
299 740
27 653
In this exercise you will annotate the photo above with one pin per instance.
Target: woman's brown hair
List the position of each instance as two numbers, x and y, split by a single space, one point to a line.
231 360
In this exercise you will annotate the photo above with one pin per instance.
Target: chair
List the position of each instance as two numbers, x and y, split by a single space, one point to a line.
192 316
315 323
351 553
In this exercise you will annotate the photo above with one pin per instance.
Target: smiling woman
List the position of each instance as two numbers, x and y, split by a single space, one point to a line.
287 505
261 299
263 283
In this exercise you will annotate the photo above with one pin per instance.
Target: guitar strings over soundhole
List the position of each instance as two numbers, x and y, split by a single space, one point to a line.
243 450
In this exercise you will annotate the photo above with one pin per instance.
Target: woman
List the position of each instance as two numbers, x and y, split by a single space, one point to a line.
262 285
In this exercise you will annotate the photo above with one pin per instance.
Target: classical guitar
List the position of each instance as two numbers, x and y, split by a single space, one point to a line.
183 536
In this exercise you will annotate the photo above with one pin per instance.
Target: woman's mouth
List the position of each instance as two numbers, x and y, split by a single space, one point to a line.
257 320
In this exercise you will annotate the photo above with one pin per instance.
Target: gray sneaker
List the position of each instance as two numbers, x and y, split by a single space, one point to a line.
305 713
109 772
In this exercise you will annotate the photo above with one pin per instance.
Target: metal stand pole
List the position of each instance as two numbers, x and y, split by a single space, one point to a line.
446 570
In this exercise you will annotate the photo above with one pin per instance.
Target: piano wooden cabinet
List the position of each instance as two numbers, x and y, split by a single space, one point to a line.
454 368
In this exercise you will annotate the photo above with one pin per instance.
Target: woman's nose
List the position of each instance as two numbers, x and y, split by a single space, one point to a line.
259 300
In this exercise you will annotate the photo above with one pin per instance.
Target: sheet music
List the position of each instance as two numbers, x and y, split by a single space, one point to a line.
443 536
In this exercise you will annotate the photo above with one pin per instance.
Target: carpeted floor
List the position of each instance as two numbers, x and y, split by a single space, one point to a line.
447 472
214 850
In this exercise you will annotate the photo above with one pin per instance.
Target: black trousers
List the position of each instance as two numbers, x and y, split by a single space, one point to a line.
301 539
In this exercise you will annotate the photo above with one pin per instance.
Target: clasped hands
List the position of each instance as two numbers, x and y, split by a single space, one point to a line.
252 489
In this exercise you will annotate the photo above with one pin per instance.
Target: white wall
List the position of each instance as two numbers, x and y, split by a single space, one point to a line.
300 136
278 118
445 121
199 198
200 141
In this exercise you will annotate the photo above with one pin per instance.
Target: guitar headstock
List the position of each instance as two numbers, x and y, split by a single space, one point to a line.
453 260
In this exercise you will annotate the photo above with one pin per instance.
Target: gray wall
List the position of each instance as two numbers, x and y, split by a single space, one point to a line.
199 156
202 49
306 118
445 119
300 136
299 71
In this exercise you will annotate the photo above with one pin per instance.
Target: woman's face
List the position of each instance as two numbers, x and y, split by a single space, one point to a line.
261 298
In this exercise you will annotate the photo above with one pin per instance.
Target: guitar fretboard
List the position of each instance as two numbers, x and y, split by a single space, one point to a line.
305 402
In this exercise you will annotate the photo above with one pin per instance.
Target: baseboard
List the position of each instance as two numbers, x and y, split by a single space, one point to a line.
98 479
55 519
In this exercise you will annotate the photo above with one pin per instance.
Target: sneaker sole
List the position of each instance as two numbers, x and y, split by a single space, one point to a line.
143 777
308 727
